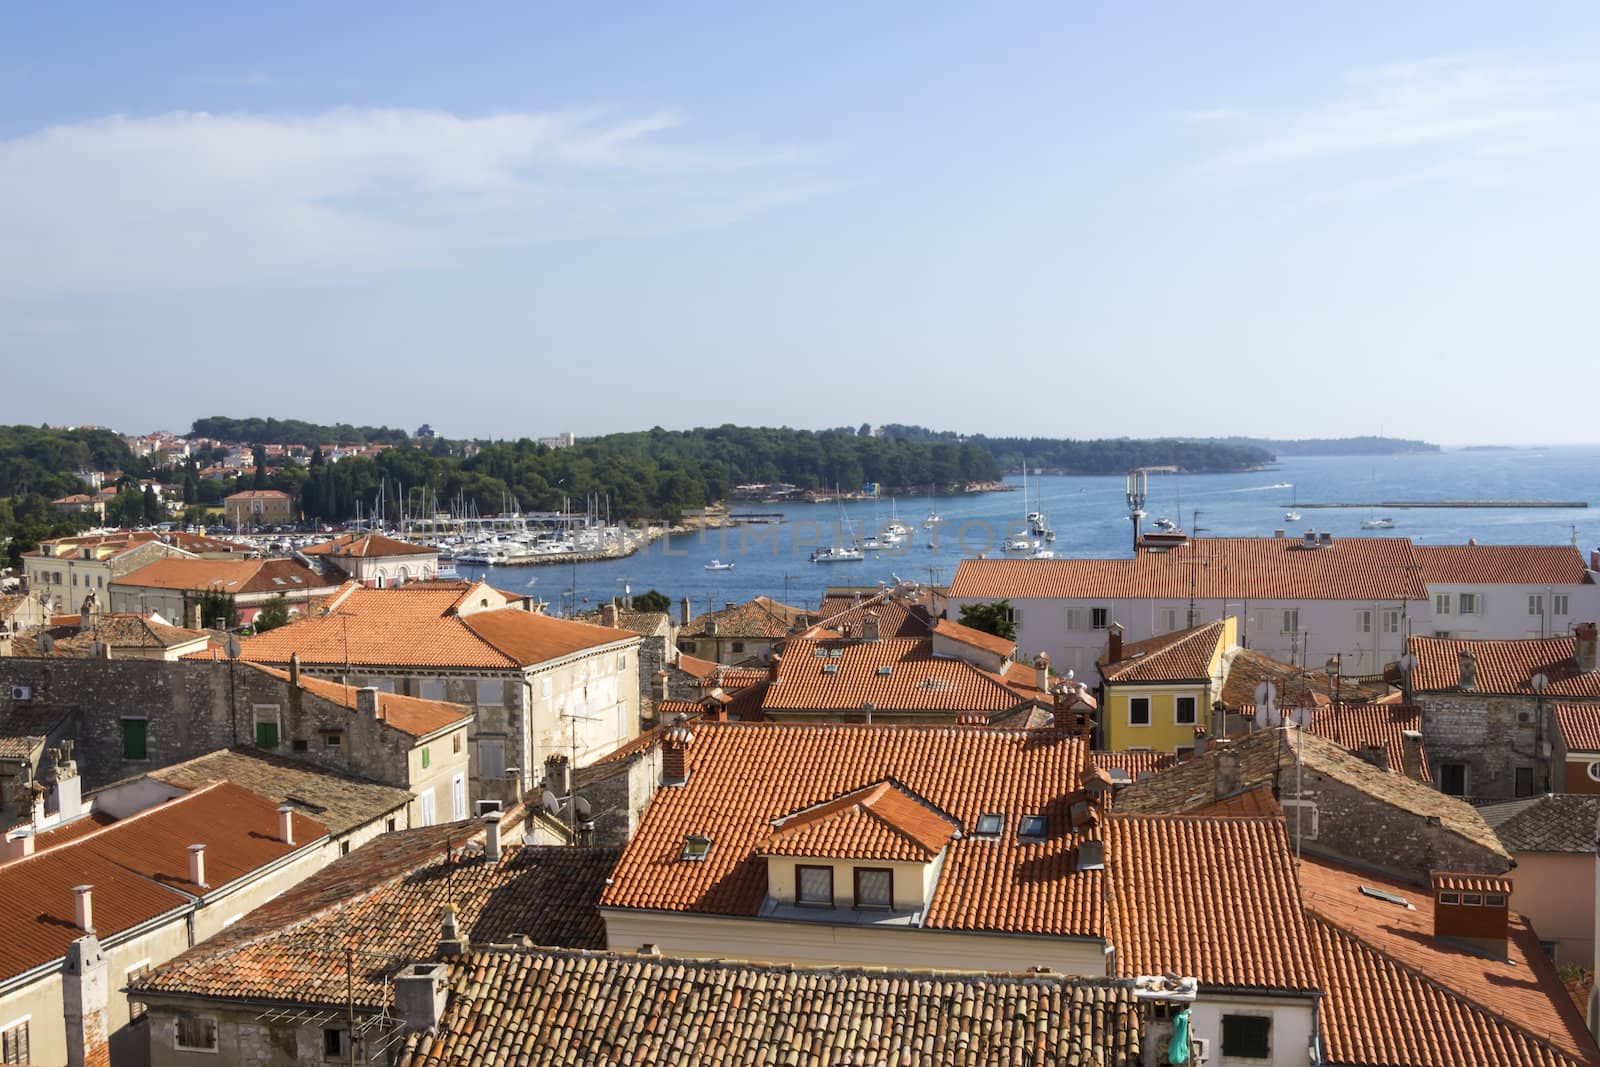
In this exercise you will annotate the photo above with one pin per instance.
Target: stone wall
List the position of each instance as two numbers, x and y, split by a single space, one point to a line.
618 793
1492 735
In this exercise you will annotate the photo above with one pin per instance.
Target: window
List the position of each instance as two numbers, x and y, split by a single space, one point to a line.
1558 604
1524 782
874 887
458 797
1364 621
1467 604
1169 620
491 758
1536 605
1291 621
1139 711
1391 621
1549 948
334 1046
196 1033
14 1043
491 692
431 689
1453 779
1031 826
344 847
455 743
1387 897
1449 898
1186 711
686 646
300 744
1441 604
1472 900
990 824
696 847
738 646
622 661
813 885
1494 900
390 824
266 719
427 756
1247 1036
134 737
136 1008
1099 618
1593 770
1075 619
333 739
426 801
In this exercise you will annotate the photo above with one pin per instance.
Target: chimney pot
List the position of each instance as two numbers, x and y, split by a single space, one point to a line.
491 836
21 844
1041 666
83 899
1411 753
675 754
558 774
685 612
1584 645
869 626
1114 649
286 824
294 669
197 865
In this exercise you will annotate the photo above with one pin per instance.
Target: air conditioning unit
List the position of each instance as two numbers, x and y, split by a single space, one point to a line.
484 807
1524 716
22 692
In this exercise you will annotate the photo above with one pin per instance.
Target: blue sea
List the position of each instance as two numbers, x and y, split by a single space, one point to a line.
1089 515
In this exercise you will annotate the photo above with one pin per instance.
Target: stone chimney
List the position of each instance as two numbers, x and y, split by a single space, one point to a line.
1411 754
869 626
1227 773
675 755
491 836
1041 667
294 669
83 907
1376 755
685 612
661 686
1583 646
420 995
86 1003
367 701
558 774
86 613
1467 680
197 866
451 941
1114 649
608 615
286 824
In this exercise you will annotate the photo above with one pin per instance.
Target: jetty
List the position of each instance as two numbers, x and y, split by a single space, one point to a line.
1397 504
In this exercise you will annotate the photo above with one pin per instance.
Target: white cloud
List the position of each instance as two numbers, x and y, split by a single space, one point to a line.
1436 103
190 199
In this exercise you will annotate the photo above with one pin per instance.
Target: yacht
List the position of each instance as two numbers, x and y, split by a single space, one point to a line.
837 554
1377 524
1291 516
1019 544
718 565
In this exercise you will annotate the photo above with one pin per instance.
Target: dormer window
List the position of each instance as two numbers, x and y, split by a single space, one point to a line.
813 886
696 847
990 824
874 887
1032 826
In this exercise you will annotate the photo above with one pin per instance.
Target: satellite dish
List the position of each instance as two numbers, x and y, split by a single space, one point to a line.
231 647
1301 717
1266 693
583 810
47 644
1408 663
552 803
1540 682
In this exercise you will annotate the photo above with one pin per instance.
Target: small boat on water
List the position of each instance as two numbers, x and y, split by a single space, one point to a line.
1377 524
838 554
1291 516
1019 544
718 565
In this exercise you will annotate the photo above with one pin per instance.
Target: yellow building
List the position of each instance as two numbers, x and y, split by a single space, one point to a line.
1157 691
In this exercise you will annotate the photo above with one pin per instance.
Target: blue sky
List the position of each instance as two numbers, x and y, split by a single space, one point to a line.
1052 219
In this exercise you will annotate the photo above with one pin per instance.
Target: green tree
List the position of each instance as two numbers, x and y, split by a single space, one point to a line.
654 600
218 611
273 614
995 618
258 456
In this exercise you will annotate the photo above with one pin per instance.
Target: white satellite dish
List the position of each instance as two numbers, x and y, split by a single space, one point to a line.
1301 717
1266 693
47 644
1408 663
231 647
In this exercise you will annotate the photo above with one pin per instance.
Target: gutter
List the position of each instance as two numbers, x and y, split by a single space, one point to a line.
1085 939
53 966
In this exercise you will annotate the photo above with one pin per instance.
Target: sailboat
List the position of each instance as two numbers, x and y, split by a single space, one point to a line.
1294 498
894 531
839 552
934 518
1031 520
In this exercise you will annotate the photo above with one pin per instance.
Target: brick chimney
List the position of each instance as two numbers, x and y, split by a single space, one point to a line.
197 865
1411 754
1114 648
86 1003
675 755
608 615
557 774
685 612
1583 646
294 669
286 824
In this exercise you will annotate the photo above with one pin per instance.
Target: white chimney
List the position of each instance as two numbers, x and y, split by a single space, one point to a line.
286 824
84 907
491 836
197 865
869 626
420 995
1041 667
19 844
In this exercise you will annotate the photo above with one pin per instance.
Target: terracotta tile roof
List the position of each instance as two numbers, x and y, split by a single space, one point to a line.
966 635
118 631
367 546
897 617
1522 990
1139 764
1181 656
1469 883
1504 667
762 618
606 1008
338 801
409 715
1377 1012
1580 725
204 543
24 728
695 666
1555 822
916 679
228 576
383 900
1296 686
876 822
1007 884
1252 802
1501 565
1233 568
139 867
648 739
733 679
418 625
258 494
1355 726
1160 924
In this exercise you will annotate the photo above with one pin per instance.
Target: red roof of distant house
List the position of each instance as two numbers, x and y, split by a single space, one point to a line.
882 821
367 546
256 494
410 715
238 577
1503 667
1580 725
1181 656
1502 564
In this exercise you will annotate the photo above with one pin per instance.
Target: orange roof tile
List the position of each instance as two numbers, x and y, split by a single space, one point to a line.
1469 883
1580 725
409 715
1355 726
897 674
257 494
966 635
744 776
367 546
1137 764
762 617
897 617
119 631
1503 667
1501 564
1232 918
876 822
227 576
1260 568
1181 656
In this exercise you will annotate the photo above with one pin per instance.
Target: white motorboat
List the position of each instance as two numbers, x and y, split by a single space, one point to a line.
1377 524
1019 544
1291 516
838 554
718 565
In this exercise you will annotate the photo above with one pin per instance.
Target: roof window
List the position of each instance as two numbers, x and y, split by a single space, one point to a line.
830 668
990 824
820 652
1387 897
835 653
1031 826
1091 856
885 671
696 847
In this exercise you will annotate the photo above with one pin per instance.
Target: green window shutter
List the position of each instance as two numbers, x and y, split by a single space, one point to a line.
133 738
266 735
424 757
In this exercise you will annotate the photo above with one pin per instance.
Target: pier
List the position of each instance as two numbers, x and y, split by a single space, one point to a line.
1397 504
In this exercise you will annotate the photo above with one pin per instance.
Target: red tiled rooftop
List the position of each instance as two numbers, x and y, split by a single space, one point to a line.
1181 656
410 715
1503 667
1580 725
1501 564
876 822
980 639
228 576
916 679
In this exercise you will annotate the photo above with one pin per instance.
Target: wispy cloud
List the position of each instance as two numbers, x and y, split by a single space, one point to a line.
1452 103
186 199
1211 114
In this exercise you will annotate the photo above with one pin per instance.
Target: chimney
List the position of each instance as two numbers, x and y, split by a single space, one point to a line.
685 612
867 708
19 844
197 866
727 605
608 615
1583 646
675 755
1114 650
1376 755
66 791
1594 559
491 836
869 626
419 995
294 669
558 774
86 1002
451 941
1041 667
286 824
661 683
367 701
83 913
1227 776
1467 679
86 613
1411 753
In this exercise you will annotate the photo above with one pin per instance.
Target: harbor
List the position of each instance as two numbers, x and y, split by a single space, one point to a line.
1397 504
